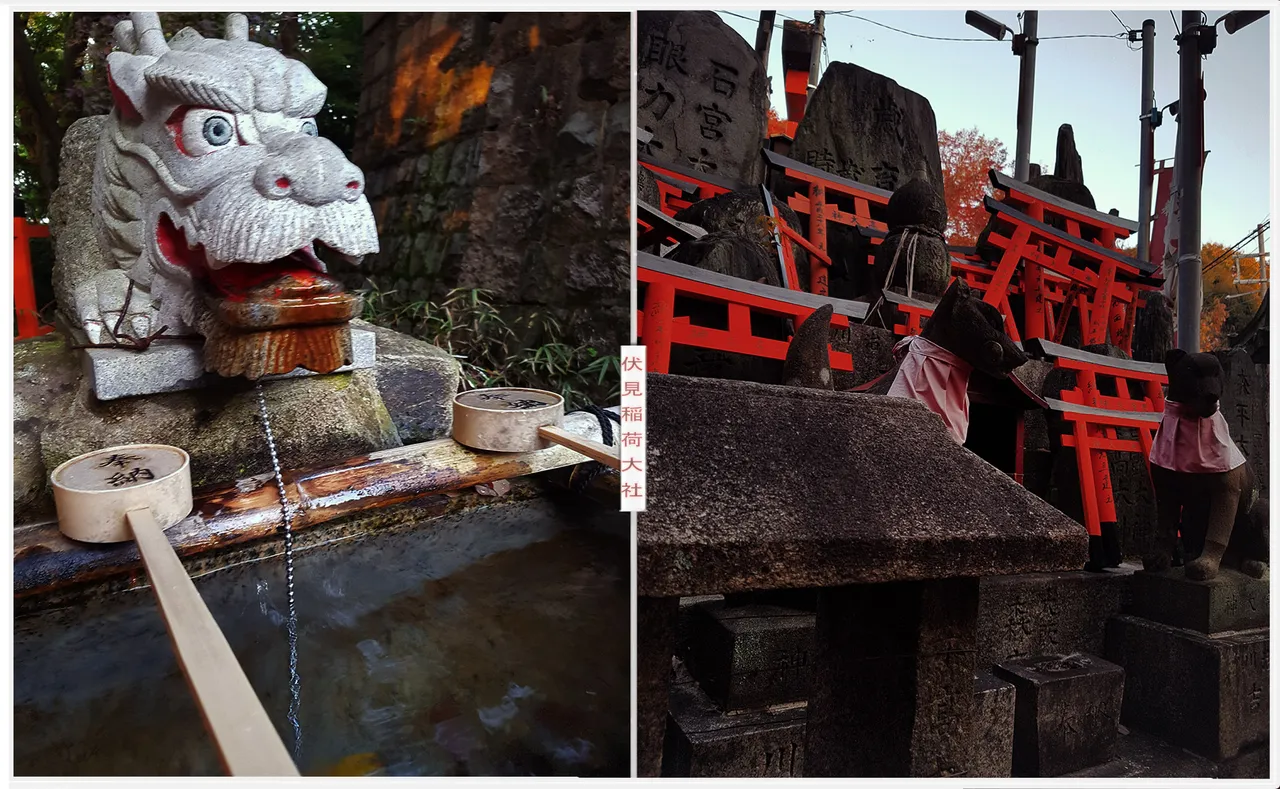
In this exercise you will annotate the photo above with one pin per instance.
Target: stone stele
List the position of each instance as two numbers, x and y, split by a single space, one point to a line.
864 126
702 93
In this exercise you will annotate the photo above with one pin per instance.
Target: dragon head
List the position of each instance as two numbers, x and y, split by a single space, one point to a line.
214 190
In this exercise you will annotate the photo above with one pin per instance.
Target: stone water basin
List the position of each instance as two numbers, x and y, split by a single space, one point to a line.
491 641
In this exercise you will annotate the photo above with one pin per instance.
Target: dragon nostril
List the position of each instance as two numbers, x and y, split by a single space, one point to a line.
282 183
353 184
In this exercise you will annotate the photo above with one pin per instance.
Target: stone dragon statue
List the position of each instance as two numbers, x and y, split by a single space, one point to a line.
213 199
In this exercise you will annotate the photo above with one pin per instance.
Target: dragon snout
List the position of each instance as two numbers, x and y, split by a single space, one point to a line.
310 170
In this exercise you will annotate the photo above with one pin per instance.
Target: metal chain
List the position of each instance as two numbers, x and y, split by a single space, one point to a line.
286 517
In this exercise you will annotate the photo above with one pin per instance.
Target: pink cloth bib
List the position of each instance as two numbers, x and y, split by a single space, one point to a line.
936 377
1188 443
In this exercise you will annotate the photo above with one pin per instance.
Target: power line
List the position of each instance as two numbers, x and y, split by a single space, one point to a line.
1234 249
1175 23
852 15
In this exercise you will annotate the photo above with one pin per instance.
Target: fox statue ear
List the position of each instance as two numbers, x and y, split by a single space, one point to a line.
958 289
1172 358
127 82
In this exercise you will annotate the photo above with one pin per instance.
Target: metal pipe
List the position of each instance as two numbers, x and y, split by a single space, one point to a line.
1147 155
815 57
1026 95
1190 164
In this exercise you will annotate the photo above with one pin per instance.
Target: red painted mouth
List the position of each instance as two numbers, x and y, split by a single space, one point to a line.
233 281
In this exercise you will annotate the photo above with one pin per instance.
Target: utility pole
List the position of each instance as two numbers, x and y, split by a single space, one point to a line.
1026 94
815 57
763 35
1190 164
1147 159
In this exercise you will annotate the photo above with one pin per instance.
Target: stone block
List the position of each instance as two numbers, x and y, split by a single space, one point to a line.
1048 613
992 754
1141 755
753 656
1232 601
1252 762
893 680
1068 711
702 741
178 366
1206 693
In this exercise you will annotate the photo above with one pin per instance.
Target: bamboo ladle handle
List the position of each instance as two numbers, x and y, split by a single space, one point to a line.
592 449
245 737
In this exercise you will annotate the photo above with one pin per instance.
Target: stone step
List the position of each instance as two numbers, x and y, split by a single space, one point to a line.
1068 711
1206 693
702 741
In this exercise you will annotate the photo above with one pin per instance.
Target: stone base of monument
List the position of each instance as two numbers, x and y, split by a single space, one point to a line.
752 656
1048 613
1141 755
1204 692
178 366
1231 601
704 742
689 617
992 754
1068 711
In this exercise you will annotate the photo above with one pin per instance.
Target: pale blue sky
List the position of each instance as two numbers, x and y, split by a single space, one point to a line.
1092 83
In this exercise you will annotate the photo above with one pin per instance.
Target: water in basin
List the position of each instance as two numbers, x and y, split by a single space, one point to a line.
492 642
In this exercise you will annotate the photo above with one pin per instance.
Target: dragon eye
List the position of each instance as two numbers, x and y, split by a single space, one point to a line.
204 130
218 130
309 128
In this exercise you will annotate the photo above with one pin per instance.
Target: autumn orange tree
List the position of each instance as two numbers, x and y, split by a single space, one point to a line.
967 155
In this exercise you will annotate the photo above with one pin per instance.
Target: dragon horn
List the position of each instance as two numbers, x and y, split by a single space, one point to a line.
237 27
150 37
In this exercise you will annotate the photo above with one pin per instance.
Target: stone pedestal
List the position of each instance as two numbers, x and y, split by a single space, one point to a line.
753 656
911 647
689 618
655 641
993 719
1205 692
1068 710
1232 601
702 741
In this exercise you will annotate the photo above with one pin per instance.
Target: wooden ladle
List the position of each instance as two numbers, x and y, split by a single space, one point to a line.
134 493
511 419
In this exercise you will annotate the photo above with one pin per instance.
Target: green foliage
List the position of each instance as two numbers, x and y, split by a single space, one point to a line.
491 350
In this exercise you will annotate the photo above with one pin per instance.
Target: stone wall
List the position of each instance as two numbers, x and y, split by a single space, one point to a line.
496 148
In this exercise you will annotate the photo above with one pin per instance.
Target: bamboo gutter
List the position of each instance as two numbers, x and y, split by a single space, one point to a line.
249 509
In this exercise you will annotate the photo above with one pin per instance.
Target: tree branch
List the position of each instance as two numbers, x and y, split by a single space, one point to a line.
48 132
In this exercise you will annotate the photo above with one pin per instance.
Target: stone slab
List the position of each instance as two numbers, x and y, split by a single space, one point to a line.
1068 711
1207 693
758 487
1048 613
1231 601
1141 755
893 680
753 656
993 719
688 619
179 366
704 742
